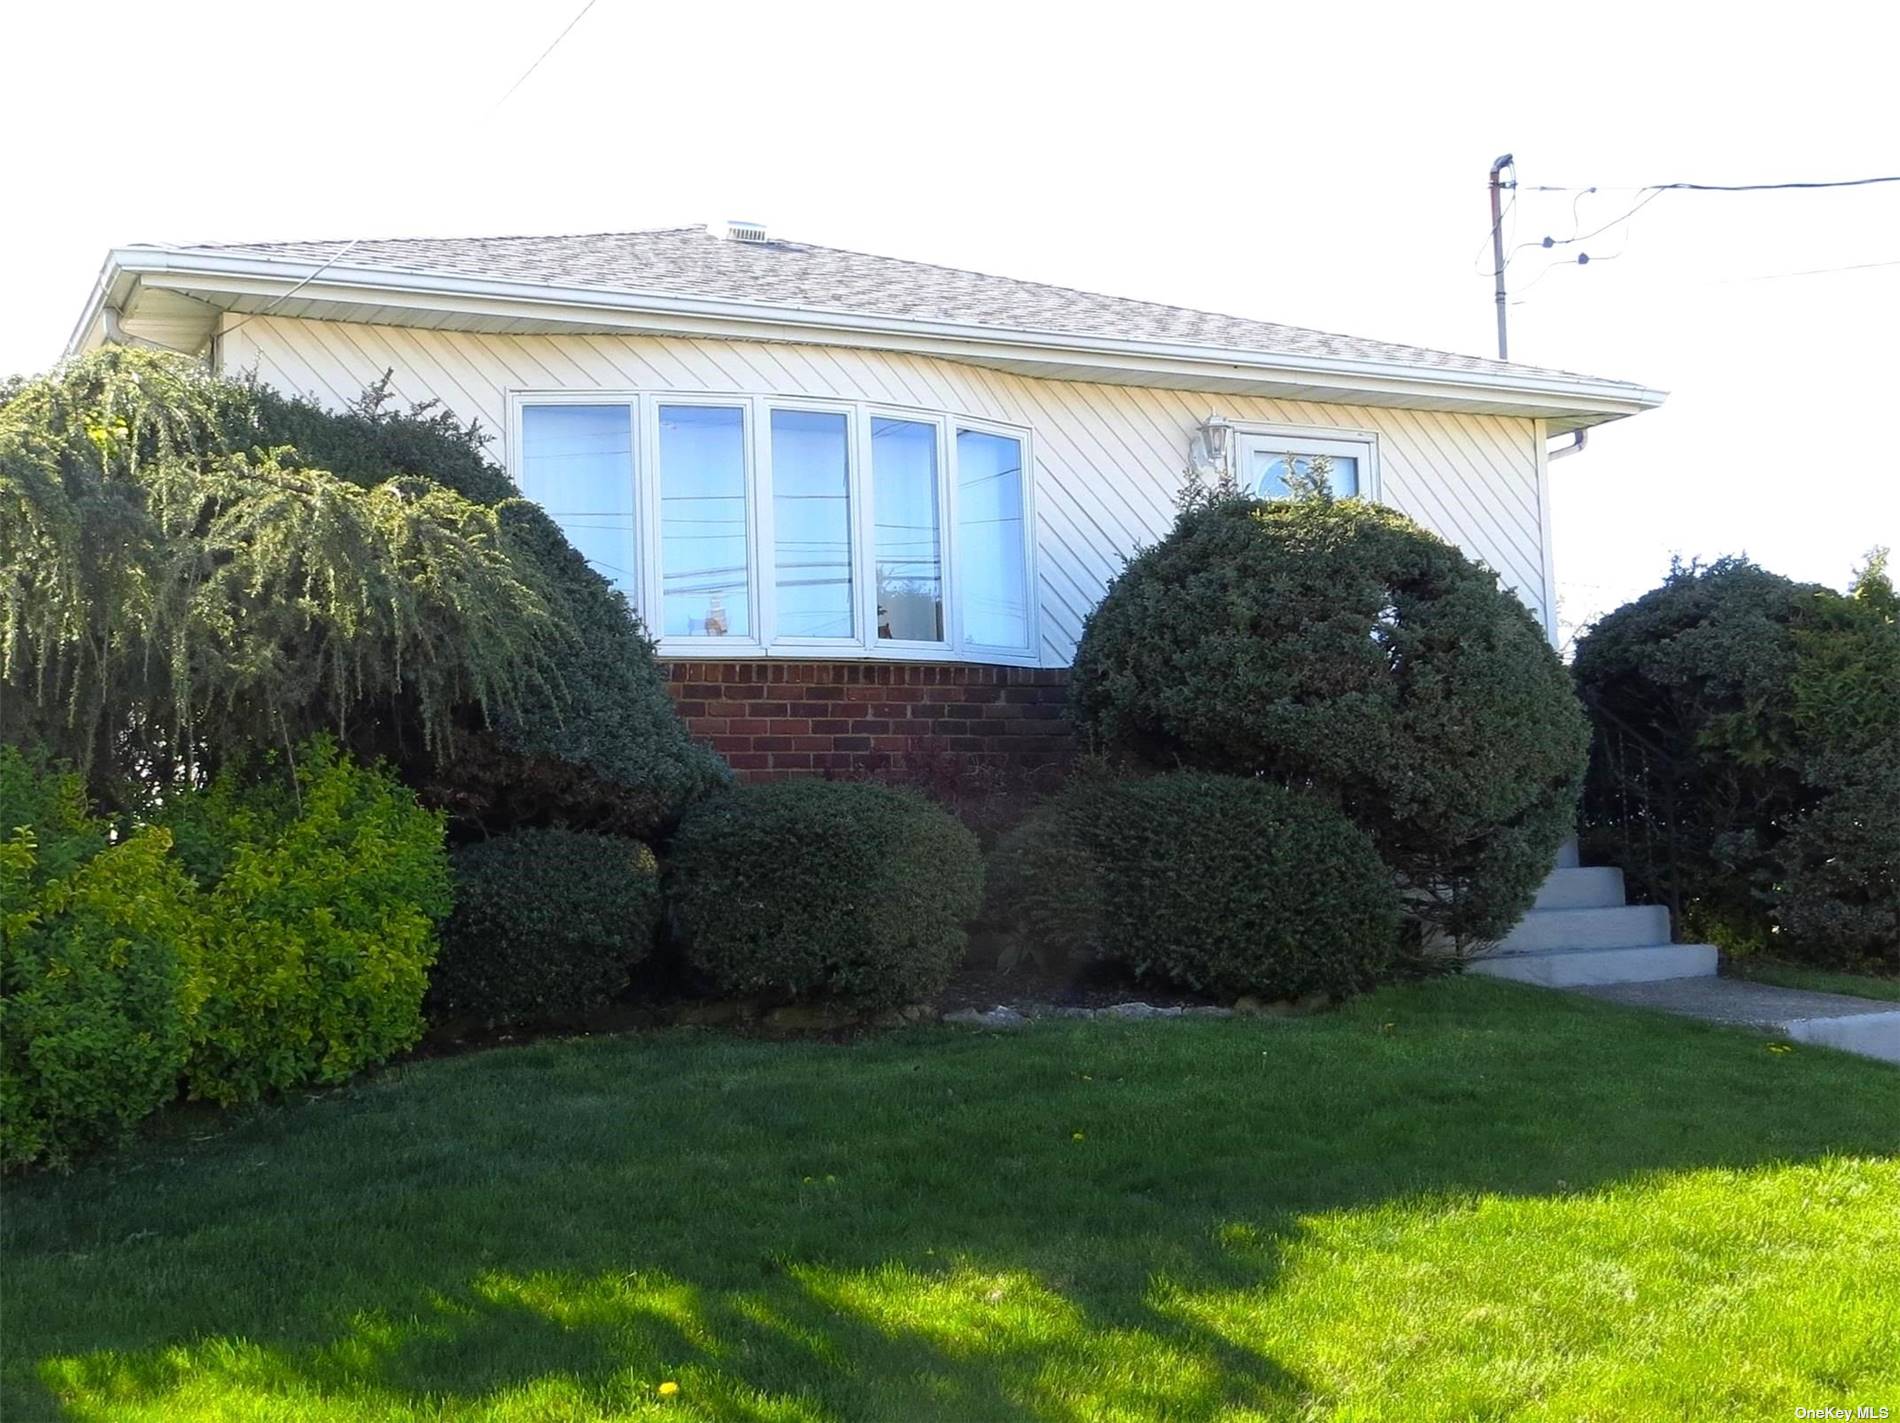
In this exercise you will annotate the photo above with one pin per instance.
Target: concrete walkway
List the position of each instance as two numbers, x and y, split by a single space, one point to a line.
1858 1025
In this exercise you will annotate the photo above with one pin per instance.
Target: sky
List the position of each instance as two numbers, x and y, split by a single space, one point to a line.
1323 166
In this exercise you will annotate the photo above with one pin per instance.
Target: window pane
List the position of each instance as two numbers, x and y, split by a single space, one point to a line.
992 573
811 514
577 464
1269 473
705 579
909 540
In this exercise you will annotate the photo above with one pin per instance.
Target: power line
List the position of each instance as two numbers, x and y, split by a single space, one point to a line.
1814 271
328 263
1716 187
528 73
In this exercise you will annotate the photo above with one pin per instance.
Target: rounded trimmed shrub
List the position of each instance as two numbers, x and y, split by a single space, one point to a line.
1224 884
1337 647
823 888
94 940
548 926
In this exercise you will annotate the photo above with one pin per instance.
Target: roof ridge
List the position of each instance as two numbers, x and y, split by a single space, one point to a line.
488 237
702 230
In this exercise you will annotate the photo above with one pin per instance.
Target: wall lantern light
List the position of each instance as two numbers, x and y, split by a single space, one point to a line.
1215 435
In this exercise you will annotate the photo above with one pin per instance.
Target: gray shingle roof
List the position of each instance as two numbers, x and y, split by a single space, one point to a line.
689 261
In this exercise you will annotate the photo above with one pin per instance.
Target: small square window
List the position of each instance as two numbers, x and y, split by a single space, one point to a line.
1270 466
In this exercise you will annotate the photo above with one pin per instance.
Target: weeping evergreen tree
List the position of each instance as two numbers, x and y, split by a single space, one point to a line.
180 580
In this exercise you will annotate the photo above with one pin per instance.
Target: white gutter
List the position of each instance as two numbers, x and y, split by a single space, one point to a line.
263 277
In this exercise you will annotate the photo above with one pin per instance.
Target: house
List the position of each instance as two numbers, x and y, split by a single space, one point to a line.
863 504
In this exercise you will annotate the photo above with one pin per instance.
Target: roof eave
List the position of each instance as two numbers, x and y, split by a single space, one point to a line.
1571 402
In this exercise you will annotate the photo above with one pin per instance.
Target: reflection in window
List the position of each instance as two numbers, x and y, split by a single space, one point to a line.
1339 472
811 515
907 550
577 464
992 572
704 577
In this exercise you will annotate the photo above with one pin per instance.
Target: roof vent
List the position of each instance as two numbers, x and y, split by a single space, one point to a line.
739 230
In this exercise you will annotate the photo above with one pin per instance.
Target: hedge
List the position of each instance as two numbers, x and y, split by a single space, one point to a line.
823 888
1748 757
548 926
1225 884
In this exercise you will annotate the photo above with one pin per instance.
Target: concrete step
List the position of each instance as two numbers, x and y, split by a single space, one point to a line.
1579 968
1573 888
1629 926
1567 854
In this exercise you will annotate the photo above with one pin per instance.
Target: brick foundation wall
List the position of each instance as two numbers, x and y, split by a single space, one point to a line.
776 719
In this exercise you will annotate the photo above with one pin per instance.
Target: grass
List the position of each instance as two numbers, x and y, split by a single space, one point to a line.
1461 1199
1820 980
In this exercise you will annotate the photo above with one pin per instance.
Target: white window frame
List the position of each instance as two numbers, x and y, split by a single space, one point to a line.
762 574
647 496
1361 445
953 522
764 494
636 461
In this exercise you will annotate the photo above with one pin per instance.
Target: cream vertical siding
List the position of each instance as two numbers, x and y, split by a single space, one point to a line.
1109 458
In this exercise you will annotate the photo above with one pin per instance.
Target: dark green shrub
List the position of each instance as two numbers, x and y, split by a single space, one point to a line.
1336 647
321 894
1747 755
548 925
832 888
370 442
605 750
94 940
1224 884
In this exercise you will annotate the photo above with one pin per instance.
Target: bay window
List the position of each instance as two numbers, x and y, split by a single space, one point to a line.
991 564
577 464
705 546
908 549
748 525
811 523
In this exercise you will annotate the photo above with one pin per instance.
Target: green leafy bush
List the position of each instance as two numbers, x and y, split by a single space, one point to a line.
1335 646
1224 884
191 568
321 894
94 940
548 925
840 889
1748 755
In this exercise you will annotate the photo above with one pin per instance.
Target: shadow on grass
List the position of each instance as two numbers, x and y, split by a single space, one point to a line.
1177 1220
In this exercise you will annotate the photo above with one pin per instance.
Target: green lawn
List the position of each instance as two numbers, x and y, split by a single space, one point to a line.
1821 980
1458 1200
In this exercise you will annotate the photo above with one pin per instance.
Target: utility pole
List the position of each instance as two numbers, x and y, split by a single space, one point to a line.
1497 244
